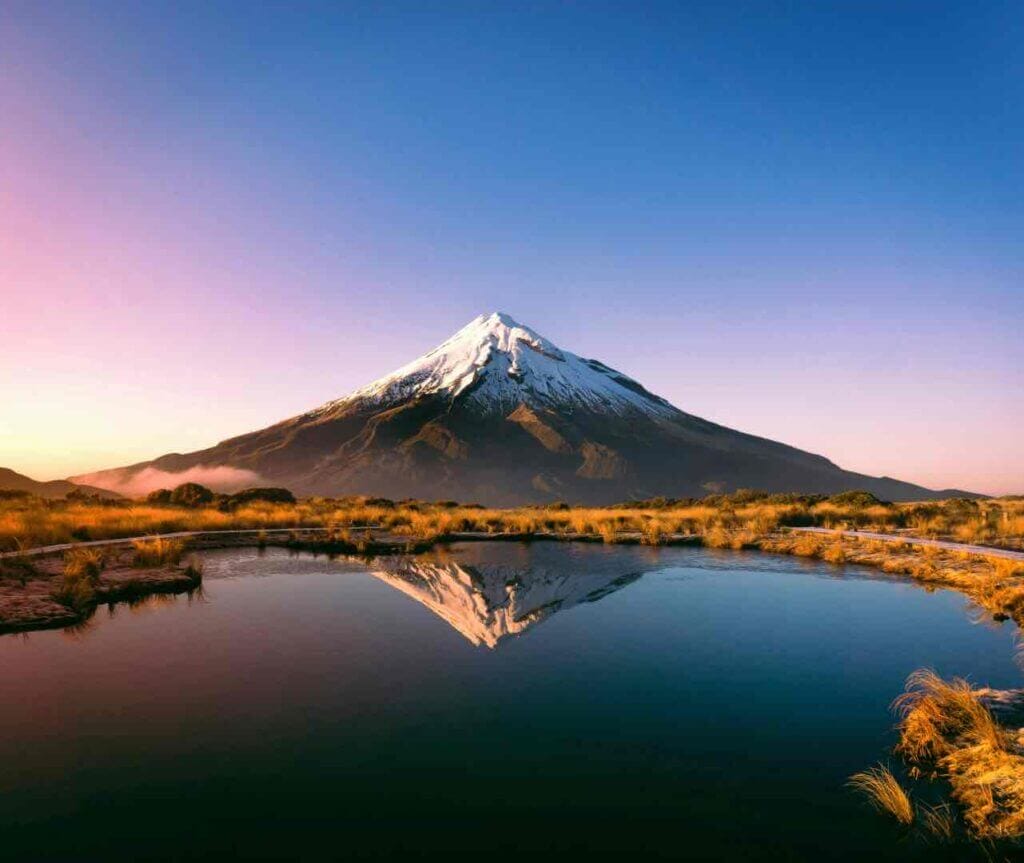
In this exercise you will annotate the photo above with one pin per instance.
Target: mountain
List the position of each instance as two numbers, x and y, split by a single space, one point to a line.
500 415
57 488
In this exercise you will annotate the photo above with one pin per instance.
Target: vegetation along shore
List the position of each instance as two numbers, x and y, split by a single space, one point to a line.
743 520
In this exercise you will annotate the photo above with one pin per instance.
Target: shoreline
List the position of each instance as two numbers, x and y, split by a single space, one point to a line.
28 603
621 538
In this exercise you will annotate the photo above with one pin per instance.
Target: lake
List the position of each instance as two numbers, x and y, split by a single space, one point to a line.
486 700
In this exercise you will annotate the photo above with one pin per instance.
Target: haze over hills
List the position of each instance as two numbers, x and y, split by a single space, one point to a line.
500 415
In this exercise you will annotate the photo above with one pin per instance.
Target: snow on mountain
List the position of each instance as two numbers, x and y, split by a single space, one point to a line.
498 364
500 415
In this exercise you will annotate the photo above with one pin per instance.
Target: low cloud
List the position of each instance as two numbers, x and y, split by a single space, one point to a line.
135 484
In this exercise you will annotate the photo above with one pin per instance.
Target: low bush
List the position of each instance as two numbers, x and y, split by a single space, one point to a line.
191 494
253 495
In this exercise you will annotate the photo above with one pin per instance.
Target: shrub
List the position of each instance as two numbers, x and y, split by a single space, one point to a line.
266 495
13 494
857 499
192 494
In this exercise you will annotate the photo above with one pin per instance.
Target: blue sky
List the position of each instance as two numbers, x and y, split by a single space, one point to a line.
803 220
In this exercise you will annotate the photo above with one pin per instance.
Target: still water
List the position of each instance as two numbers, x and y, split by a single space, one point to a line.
492 700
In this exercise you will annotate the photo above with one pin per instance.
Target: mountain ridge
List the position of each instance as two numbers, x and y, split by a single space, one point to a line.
11 480
499 414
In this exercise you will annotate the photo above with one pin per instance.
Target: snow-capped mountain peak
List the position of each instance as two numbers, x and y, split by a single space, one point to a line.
496 363
500 415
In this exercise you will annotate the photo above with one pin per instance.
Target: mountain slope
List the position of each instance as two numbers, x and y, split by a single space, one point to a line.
500 415
51 489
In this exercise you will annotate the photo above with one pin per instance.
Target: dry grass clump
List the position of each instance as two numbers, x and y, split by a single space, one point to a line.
717 536
84 563
82 570
157 551
935 713
946 730
834 553
653 533
939 821
884 792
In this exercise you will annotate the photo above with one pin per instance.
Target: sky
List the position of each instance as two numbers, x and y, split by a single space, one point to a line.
801 220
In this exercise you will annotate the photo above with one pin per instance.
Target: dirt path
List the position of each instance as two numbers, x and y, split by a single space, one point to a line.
127 540
914 540
186 534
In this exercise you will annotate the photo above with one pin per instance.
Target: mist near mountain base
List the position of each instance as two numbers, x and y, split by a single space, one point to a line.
217 477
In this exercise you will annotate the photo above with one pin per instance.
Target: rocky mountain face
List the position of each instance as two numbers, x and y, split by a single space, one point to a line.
499 415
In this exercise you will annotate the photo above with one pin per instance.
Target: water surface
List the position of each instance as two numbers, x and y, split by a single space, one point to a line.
490 700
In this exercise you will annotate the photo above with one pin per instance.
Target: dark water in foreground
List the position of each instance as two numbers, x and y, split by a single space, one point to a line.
498 701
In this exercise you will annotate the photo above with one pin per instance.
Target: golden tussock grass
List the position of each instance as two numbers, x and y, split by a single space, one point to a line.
884 792
723 521
939 821
834 553
946 731
157 551
82 570
84 563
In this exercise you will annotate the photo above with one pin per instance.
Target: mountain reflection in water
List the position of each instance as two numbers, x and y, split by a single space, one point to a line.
488 601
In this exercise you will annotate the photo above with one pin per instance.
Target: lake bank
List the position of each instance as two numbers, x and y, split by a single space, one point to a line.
30 579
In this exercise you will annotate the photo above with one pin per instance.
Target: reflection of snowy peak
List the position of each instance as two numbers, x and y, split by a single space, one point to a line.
499 364
488 602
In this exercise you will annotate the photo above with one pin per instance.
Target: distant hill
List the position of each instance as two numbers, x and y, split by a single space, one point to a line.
499 415
57 488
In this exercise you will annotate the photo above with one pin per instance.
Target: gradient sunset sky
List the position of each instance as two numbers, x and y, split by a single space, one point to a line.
802 220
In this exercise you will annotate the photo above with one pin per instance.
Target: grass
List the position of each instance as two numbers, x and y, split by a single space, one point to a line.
724 521
992 583
934 712
946 728
947 733
884 792
82 570
157 552
948 736
939 821
741 520
18 568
